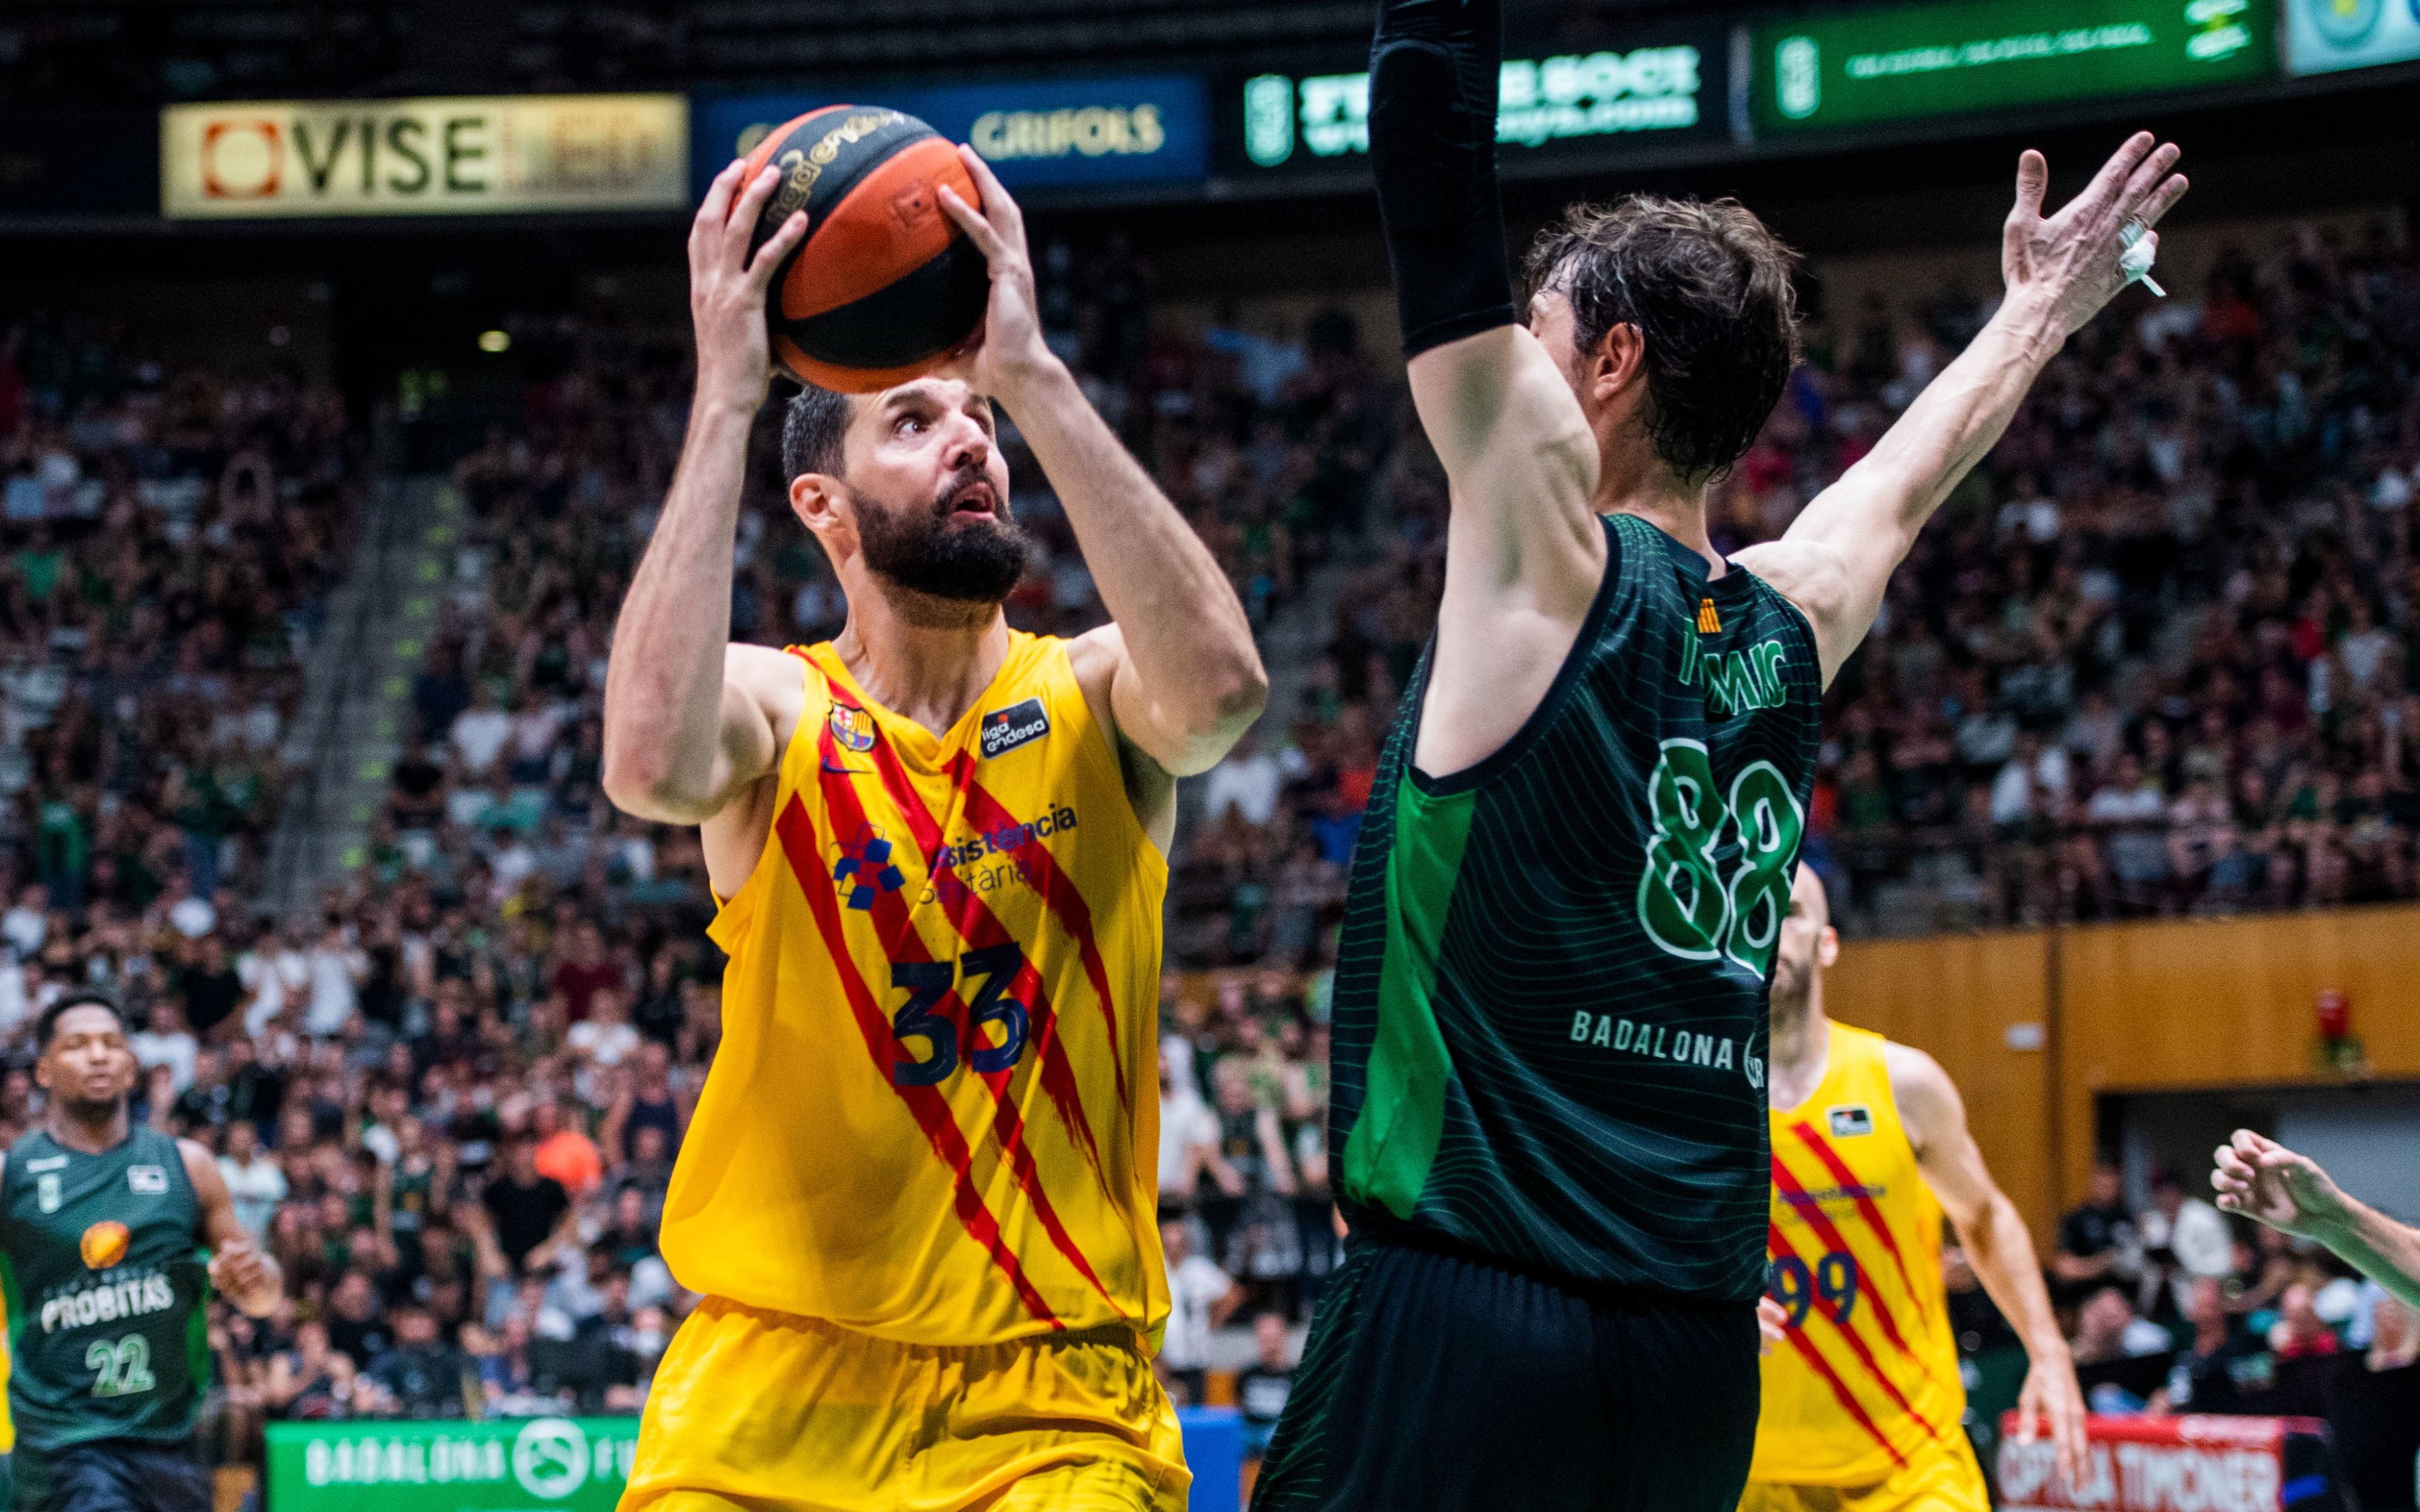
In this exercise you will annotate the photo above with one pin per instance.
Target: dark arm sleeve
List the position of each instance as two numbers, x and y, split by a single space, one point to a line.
1432 88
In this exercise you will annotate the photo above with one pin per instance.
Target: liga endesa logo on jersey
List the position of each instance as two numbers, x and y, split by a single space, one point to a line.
1004 729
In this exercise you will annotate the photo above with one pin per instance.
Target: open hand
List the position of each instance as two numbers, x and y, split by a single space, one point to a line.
726 286
2050 1396
1007 348
2261 1178
2069 260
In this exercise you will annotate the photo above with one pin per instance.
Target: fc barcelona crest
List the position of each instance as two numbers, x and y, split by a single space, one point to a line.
852 726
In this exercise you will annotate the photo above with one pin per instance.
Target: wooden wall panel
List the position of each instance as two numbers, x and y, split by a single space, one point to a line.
1955 998
2189 1003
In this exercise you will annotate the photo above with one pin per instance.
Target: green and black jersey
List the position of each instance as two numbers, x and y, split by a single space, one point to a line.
1549 1032
105 1285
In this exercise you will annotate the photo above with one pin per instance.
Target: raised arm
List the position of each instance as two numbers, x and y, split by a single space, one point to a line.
1993 1236
689 719
1184 678
2261 1178
1515 446
1837 556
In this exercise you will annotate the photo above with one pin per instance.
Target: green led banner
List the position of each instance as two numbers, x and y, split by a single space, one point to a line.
557 1464
1880 66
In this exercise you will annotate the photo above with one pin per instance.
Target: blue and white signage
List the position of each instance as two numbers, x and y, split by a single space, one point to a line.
1082 131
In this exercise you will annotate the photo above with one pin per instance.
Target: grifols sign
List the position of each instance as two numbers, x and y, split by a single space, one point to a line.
2176 1465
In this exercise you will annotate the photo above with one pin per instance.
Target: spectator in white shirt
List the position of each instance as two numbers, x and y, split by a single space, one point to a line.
163 1041
480 730
1247 780
2032 782
339 969
28 923
276 971
1202 1298
254 1179
1188 1131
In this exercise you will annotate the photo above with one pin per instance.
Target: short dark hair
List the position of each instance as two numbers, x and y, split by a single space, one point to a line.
812 428
1708 286
48 1024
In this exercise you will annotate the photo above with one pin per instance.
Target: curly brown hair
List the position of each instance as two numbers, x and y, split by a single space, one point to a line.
1708 287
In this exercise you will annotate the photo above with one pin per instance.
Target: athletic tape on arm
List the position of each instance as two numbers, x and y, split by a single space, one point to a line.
1433 77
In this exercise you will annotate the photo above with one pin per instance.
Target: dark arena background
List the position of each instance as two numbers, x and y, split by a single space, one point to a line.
345 357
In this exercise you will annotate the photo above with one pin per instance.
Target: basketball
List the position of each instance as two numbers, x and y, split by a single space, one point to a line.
884 285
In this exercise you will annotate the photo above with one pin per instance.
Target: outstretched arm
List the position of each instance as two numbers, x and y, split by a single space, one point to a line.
245 1274
1524 550
2261 1178
687 716
1993 1236
1184 679
1838 557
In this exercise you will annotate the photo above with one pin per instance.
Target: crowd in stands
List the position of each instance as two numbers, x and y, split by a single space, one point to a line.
167 538
2159 655
2176 1308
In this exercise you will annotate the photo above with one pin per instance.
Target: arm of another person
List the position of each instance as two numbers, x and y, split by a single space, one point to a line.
240 1269
1838 557
2261 1178
1525 552
1183 677
691 719
1994 1235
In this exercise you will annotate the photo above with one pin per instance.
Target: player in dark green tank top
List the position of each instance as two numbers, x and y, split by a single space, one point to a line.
106 1234
1548 1114
1549 1007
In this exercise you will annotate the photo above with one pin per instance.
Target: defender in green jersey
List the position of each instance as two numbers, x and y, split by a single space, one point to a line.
1548 1111
111 1236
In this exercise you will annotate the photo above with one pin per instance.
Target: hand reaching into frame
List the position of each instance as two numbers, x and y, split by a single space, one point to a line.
2069 260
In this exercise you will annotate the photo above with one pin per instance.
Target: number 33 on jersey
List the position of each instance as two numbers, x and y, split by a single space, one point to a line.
940 1028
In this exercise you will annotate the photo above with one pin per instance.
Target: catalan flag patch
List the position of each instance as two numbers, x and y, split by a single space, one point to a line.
1708 623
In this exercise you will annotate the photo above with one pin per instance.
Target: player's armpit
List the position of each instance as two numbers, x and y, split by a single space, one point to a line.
1816 577
1114 693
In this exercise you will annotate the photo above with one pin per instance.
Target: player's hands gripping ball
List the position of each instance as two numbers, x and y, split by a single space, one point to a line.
727 286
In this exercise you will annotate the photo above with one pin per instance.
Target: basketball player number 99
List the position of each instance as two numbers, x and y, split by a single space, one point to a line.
1834 1281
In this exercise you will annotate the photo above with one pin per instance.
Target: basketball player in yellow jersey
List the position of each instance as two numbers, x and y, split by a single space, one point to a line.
1862 1399
919 1189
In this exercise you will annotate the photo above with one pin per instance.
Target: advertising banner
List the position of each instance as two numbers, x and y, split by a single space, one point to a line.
2175 1464
1137 130
539 1464
1669 86
469 156
1880 66
558 1464
2327 36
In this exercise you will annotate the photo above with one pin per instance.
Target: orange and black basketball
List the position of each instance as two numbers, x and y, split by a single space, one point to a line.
885 286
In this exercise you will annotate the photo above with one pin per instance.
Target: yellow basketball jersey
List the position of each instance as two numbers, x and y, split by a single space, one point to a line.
1867 1380
934 1117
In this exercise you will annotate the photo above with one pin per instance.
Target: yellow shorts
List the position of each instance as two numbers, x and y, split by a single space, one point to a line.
1945 1480
758 1411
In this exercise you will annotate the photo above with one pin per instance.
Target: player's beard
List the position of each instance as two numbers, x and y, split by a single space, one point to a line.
921 547
1790 978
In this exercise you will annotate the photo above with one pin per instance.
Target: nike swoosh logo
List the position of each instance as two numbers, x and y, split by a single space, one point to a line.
845 770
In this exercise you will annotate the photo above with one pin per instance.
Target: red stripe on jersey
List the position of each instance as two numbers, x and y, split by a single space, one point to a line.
1058 891
978 925
1781 1248
892 921
1866 1208
1794 1197
930 1110
1840 1392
